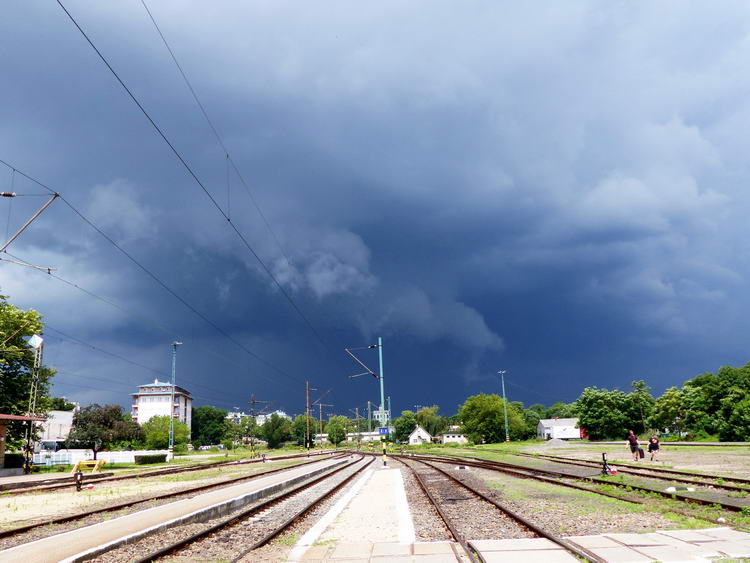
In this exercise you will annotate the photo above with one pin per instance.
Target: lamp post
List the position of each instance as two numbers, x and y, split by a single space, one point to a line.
505 405
175 344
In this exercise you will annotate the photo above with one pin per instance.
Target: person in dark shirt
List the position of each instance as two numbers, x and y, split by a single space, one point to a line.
633 443
653 447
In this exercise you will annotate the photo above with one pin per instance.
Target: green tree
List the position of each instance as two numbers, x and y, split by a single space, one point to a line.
640 403
97 428
60 404
532 416
404 425
604 414
336 429
561 410
16 367
669 411
483 420
156 431
276 430
207 425
429 419
300 427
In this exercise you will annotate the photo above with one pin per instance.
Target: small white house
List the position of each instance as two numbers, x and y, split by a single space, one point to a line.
419 436
562 428
453 437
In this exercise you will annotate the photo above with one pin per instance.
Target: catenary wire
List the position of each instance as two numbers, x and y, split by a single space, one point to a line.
229 158
190 171
154 276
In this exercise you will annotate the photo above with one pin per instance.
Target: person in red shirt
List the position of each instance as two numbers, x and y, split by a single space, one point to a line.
633 443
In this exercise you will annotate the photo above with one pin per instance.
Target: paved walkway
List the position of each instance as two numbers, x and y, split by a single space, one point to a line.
355 530
61 546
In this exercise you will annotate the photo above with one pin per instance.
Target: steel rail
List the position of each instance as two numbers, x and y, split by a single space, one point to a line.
192 538
30 487
632 469
521 474
446 519
268 537
601 481
80 515
577 551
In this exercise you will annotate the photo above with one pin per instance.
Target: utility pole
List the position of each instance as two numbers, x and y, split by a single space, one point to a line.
369 417
175 344
307 416
505 405
253 413
320 410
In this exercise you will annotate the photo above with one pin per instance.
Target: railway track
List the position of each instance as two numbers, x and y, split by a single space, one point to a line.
721 501
234 537
55 523
35 487
441 492
681 476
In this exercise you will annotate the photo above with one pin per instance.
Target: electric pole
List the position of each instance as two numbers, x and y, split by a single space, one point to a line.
505 405
175 344
253 401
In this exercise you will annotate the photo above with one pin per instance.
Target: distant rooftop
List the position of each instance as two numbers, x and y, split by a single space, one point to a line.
559 421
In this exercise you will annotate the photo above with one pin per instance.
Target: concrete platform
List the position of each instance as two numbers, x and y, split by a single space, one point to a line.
89 539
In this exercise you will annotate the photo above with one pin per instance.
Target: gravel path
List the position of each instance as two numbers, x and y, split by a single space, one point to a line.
473 517
173 484
224 544
562 511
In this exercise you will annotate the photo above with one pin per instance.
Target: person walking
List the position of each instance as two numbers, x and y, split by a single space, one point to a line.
653 447
633 443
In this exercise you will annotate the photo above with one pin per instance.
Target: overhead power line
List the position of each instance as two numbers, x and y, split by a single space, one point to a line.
216 134
154 276
200 183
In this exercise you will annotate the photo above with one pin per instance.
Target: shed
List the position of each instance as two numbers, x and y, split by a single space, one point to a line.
419 436
6 419
562 428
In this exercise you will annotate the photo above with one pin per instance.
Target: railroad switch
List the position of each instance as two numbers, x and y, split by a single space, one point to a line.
78 478
605 466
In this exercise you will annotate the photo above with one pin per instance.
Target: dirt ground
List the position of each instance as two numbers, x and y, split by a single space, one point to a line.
717 460
26 508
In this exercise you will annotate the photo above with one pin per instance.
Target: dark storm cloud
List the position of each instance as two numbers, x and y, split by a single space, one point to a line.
559 192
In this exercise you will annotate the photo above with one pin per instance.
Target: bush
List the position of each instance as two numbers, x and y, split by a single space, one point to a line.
151 458
13 461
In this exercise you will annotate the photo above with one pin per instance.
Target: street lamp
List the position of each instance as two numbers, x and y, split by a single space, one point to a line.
175 344
505 404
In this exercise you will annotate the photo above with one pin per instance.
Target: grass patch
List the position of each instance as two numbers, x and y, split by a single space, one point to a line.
289 540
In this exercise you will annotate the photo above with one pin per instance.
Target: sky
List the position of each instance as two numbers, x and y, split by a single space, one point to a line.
557 190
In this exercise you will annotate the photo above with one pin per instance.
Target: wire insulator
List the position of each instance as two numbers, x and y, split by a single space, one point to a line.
7 194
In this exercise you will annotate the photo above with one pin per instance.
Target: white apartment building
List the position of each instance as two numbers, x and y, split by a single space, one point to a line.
153 399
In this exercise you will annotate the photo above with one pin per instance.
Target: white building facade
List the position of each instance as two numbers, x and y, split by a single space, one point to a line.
453 436
419 436
57 426
561 428
153 399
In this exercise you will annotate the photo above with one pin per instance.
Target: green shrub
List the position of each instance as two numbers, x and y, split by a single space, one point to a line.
13 461
151 458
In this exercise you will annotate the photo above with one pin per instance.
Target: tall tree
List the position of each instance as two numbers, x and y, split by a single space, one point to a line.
276 431
640 404
429 419
336 429
156 431
404 425
604 414
97 428
300 426
669 411
207 425
483 420
16 366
